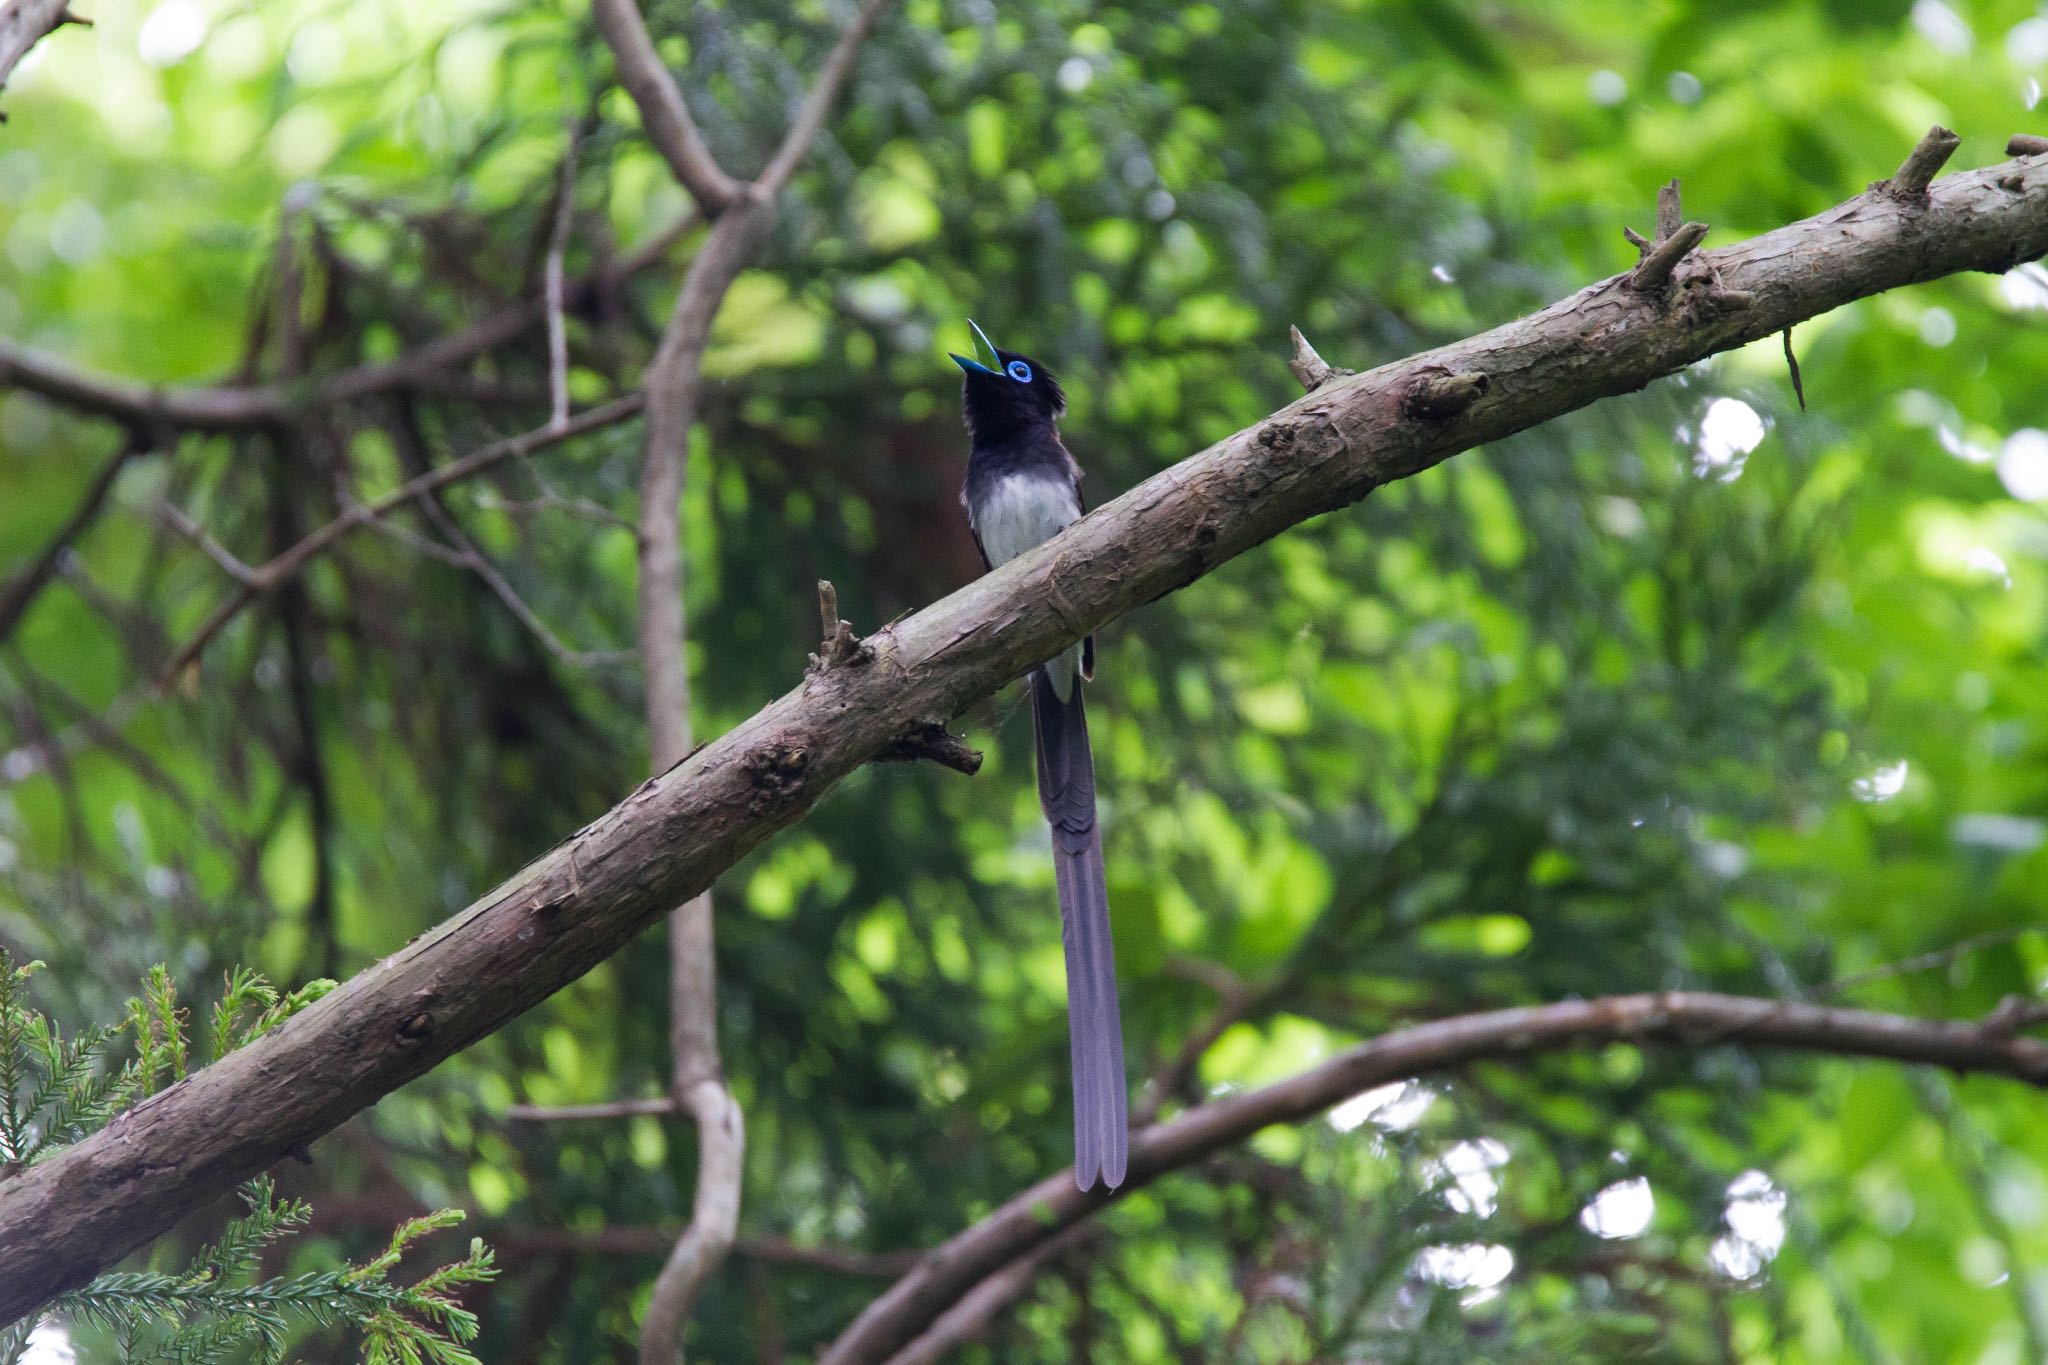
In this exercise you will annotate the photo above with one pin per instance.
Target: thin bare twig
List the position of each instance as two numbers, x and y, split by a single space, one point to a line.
1792 366
469 555
824 92
656 1241
1670 216
553 288
181 521
1922 962
269 576
20 590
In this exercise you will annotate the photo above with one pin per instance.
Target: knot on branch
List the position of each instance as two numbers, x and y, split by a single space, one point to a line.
839 646
777 775
1308 367
2026 144
929 741
1441 396
1909 183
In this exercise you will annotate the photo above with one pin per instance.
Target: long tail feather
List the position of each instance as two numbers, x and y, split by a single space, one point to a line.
1066 792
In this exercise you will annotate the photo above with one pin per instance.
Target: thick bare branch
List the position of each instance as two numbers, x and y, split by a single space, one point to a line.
65 1219
662 111
1024 1225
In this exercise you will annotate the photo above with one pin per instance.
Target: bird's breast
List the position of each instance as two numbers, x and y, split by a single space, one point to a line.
1014 512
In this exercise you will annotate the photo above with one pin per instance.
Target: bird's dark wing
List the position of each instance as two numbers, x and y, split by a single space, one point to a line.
1066 793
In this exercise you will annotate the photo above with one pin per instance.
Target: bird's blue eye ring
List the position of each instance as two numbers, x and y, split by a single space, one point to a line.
1019 371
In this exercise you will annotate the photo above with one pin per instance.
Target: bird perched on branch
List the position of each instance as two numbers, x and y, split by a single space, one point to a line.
1022 488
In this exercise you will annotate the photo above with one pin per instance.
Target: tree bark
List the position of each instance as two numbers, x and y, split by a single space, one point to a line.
66 1219
23 24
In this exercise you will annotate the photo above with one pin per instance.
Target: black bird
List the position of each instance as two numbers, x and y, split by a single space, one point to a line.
1022 488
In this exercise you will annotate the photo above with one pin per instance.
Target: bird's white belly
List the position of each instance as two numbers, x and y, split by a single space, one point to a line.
1018 513
1021 512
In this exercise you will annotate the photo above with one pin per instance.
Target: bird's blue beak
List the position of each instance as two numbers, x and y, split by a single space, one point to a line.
975 366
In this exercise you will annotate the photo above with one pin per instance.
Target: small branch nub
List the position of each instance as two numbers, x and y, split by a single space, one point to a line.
1657 264
1922 164
2026 144
839 644
1311 369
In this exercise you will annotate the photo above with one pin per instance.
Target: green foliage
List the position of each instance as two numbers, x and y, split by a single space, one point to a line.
53 1090
1659 696
218 1308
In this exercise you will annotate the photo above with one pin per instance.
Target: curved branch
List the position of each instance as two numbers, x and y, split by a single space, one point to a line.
67 1218
1038 1215
662 111
241 407
970 1319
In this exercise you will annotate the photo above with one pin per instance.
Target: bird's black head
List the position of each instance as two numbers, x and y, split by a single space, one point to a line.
1014 396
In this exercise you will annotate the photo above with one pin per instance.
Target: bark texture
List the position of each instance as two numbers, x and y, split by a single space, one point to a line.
66 1219
23 24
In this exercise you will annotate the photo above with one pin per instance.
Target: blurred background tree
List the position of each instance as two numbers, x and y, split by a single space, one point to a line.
1693 690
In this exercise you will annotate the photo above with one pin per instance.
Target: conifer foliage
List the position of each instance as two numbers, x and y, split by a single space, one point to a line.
55 1090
